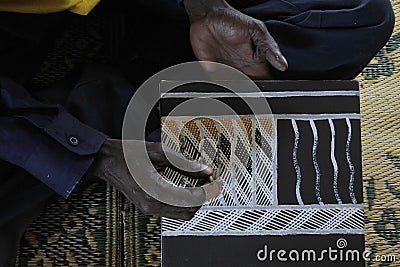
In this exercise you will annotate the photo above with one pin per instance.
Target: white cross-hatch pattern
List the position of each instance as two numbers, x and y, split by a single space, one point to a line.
245 151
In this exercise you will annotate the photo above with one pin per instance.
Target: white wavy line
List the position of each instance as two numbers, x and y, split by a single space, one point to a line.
351 166
317 170
334 163
296 163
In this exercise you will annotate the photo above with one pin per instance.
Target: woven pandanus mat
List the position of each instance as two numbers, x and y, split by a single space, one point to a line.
380 109
83 231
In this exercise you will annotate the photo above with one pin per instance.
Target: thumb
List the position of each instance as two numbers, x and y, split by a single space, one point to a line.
212 190
267 47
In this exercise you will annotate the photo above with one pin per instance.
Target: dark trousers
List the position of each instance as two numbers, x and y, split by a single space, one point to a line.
321 39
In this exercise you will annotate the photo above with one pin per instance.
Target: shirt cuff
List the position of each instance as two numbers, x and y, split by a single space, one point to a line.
62 160
57 169
44 139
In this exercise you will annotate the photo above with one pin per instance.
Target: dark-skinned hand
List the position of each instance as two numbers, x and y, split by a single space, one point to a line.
220 33
110 166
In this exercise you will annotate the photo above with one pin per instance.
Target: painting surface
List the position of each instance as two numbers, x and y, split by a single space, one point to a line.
292 179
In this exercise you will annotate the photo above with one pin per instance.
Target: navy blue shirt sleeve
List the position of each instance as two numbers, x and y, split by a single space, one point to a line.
45 139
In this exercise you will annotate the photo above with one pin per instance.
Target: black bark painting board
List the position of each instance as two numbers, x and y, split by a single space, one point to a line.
292 191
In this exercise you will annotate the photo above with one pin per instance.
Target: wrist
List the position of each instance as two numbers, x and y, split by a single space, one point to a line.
197 9
101 158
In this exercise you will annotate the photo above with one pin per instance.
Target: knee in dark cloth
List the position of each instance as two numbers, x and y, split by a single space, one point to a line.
383 12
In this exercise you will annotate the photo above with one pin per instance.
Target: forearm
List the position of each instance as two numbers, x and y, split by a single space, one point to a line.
45 139
199 8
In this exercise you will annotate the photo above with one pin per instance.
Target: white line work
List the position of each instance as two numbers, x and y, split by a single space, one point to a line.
275 171
316 166
351 166
260 94
334 163
248 205
273 221
285 207
254 170
303 117
268 233
317 117
296 162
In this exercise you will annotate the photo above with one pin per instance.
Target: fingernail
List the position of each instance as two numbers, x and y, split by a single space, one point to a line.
217 173
203 166
214 174
282 63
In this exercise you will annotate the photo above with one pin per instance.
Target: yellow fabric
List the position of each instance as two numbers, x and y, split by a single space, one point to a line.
82 7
